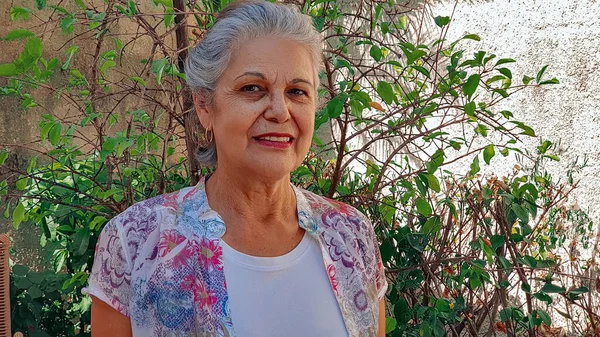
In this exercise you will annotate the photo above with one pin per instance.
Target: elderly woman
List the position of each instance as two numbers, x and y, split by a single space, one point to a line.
244 253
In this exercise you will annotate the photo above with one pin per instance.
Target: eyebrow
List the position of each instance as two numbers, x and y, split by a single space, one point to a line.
262 77
252 73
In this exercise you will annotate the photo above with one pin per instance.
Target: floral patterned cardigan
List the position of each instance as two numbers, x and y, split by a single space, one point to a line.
160 264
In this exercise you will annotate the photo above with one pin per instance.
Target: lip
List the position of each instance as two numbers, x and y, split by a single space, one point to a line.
274 134
272 144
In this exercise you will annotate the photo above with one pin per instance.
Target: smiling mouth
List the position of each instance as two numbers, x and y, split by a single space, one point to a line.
275 139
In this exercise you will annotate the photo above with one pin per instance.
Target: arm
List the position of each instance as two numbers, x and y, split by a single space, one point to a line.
381 332
107 321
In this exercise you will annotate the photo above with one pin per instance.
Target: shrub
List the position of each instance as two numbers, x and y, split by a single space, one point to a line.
463 253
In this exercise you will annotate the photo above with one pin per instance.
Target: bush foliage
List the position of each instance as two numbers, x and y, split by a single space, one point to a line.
465 254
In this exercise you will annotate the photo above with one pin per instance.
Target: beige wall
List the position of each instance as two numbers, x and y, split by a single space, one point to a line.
20 127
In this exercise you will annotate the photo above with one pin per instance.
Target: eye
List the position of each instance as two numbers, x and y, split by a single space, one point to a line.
298 92
250 88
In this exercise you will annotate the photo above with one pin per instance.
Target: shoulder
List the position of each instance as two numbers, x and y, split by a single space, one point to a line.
141 224
329 212
144 214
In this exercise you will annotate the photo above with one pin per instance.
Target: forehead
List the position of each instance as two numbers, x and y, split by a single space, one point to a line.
273 57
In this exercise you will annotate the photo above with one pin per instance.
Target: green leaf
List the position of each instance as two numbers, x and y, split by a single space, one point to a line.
36 278
420 69
158 68
386 92
442 21
527 79
472 37
18 34
40 4
23 283
436 160
543 297
8 69
107 65
432 181
35 292
415 55
432 225
503 61
552 81
33 48
79 4
70 52
390 324
552 289
81 240
19 12
403 22
481 129
21 184
579 291
109 144
112 120
493 79
67 22
335 106
538 77
131 7
526 287
3 157
474 169
470 108
442 305
505 71
168 17
20 270
471 85
18 215
544 317
54 134
488 153
318 23
423 207
528 131
503 284
497 241
401 311
375 53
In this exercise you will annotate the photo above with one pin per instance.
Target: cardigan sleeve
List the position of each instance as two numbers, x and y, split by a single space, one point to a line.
110 277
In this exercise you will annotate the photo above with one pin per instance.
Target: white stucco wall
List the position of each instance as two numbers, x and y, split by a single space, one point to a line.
565 35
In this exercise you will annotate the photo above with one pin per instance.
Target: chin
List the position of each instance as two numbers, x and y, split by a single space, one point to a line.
271 171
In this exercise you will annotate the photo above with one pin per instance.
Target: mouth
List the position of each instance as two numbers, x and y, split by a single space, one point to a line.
275 137
272 140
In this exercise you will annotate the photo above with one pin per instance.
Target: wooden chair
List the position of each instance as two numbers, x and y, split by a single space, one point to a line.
4 291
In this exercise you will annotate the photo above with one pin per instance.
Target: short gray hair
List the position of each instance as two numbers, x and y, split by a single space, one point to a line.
244 21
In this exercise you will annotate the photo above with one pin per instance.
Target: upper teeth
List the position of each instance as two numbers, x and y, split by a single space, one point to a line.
276 139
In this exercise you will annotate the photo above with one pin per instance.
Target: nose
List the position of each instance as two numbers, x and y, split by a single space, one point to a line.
278 110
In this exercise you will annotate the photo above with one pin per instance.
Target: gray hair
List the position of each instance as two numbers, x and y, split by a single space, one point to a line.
244 21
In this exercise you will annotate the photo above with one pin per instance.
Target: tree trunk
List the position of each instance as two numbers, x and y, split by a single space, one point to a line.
192 126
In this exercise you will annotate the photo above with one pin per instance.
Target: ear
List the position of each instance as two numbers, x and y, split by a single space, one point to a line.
202 110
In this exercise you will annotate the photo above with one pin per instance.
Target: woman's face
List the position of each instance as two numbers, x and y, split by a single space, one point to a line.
263 109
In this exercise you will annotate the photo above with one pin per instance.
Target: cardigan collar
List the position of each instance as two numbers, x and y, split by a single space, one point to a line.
195 205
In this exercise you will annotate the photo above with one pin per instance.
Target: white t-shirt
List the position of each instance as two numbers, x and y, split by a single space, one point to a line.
288 295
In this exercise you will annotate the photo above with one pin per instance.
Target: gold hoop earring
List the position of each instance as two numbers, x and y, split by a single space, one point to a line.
209 135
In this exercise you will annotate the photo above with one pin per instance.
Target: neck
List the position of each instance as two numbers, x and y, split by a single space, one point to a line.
248 204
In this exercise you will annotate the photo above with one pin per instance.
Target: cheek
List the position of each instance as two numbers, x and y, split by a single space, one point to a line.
235 120
306 124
